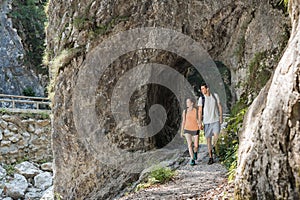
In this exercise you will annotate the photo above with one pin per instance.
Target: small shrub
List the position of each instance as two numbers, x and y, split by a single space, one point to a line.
158 175
28 91
162 174
10 169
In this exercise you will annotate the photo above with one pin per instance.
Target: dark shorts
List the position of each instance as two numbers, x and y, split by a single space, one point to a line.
191 132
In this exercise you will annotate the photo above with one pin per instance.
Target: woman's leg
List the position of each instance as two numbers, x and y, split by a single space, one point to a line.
196 146
188 138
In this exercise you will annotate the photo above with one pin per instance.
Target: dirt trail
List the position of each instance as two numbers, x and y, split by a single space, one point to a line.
201 181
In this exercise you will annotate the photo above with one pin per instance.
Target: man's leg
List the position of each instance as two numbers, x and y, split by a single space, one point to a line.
216 131
209 147
215 140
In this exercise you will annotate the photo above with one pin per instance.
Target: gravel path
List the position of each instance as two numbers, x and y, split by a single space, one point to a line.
201 181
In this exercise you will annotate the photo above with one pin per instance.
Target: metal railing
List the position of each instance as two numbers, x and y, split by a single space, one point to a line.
24 103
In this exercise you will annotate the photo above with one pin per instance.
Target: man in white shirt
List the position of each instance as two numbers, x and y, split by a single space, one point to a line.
211 110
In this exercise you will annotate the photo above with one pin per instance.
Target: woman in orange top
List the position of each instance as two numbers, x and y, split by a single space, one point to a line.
190 128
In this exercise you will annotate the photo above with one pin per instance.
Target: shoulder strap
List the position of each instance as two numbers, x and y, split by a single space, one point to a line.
215 98
203 101
213 95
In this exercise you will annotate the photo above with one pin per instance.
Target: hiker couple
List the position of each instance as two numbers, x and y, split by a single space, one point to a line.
209 105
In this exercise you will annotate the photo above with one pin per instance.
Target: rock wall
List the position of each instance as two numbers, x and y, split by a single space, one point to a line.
230 31
24 139
269 163
237 33
15 76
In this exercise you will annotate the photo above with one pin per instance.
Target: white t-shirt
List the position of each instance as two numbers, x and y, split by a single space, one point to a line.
211 108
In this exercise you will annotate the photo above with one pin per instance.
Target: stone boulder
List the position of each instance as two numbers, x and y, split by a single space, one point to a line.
2 172
27 169
17 187
48 194
43 180
47 166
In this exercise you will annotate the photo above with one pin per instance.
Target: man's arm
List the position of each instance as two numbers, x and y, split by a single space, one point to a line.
220 112
220 109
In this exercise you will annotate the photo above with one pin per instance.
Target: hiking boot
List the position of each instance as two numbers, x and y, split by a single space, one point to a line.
210 161
192 162
195 156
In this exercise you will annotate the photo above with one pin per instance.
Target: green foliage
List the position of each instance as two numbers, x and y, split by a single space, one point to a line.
258 74
26 115
284 4
80 22
162 174
105 28
202 139
239 51
28 91
29 17
42 161
158 175
227 146
10 169
44 115
25 158
57 196
3 111
236 108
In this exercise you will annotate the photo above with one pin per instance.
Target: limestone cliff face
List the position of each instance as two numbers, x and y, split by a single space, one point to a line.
237 33
269 164
15 76
232 32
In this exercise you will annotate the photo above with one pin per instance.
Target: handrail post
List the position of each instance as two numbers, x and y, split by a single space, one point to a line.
13 103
